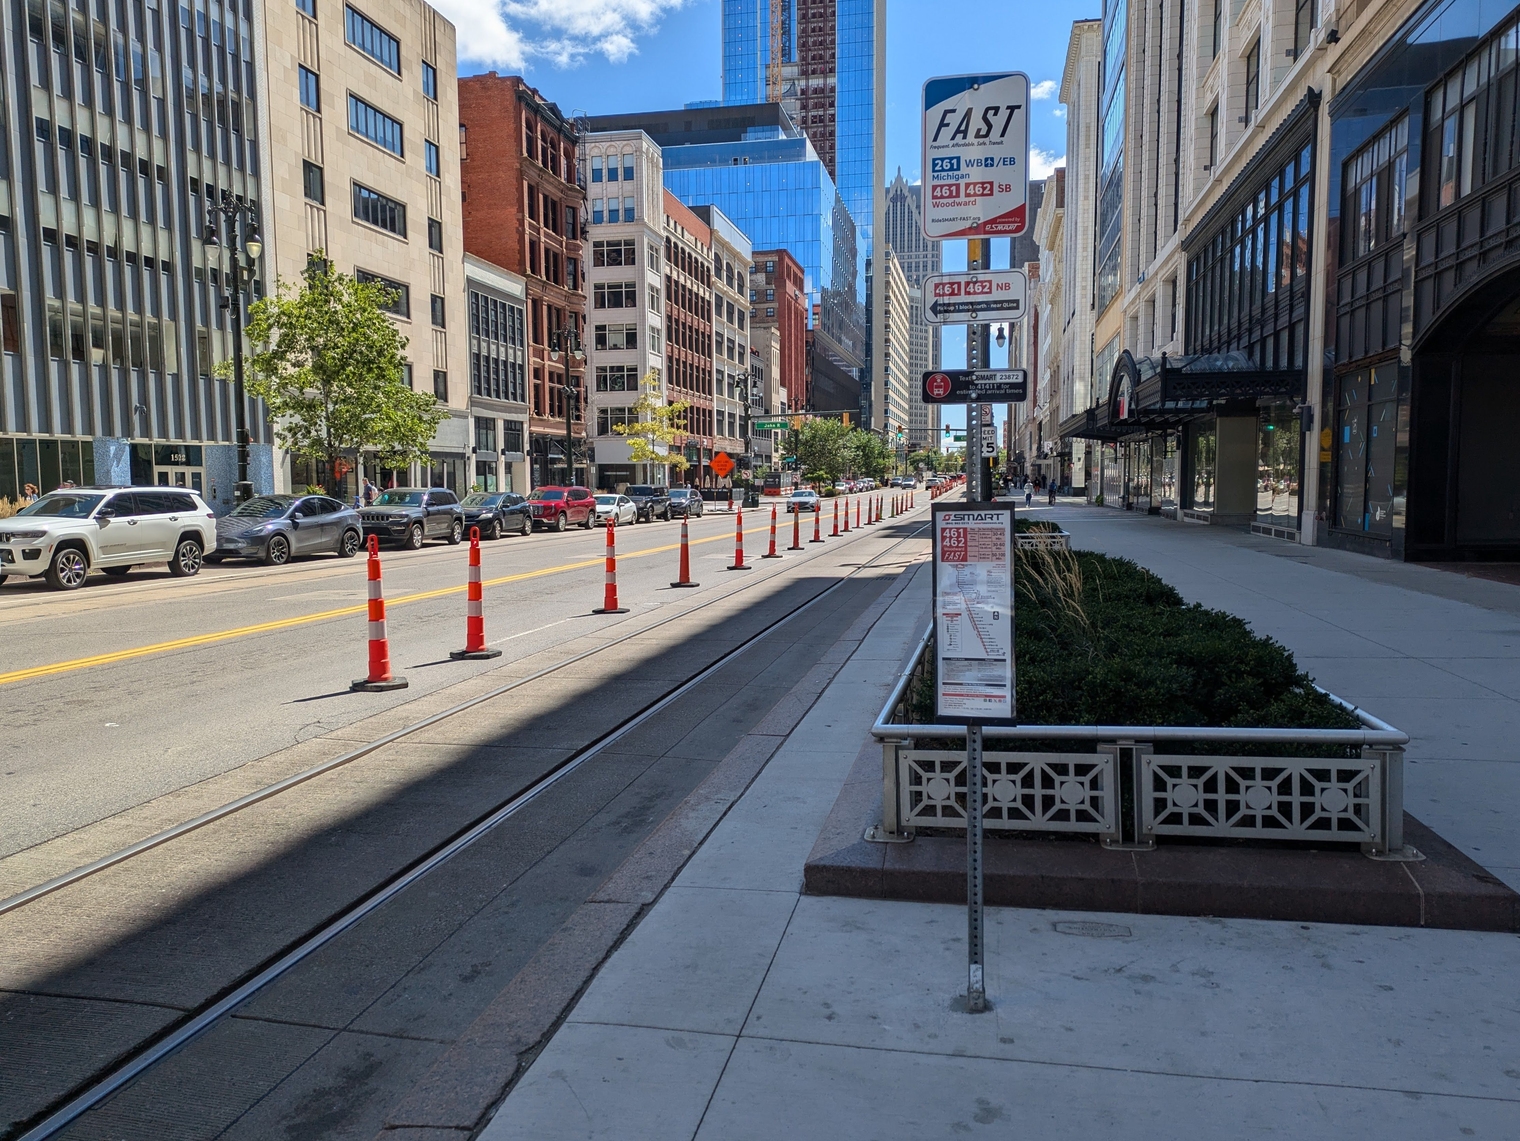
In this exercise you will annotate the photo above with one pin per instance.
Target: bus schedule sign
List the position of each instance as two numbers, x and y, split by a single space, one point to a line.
976 155
973 613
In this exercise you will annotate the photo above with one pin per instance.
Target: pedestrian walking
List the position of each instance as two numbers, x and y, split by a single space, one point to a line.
369 493
29 493
1028 492
1052 493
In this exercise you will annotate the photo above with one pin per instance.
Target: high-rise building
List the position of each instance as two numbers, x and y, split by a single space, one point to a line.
903 231
524 207
498 375
624 274
778 301
363 165
733 400
891 383
689 333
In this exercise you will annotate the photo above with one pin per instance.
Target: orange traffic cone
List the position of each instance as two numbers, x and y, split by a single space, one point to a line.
685 579
739 545
379 679
835 533
475 647
609 593
817 524
796 530
772 553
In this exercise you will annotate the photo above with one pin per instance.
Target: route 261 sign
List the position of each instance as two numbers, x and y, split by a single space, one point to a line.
976 155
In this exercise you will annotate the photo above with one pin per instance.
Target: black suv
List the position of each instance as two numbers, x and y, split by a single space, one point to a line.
408 516
650 502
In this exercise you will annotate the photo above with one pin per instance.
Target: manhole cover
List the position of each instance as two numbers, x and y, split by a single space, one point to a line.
1093 930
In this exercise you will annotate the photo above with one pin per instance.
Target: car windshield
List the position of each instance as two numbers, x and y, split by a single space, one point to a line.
804 494
642 489
261 507
680 493
607 500
481 499
400 499
542 493
64 504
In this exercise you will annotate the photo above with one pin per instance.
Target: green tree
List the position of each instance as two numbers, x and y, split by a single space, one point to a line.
821 449
869 455
928 459
328 363
652 439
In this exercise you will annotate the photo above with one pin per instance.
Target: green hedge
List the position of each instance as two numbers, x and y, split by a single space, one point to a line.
1102 641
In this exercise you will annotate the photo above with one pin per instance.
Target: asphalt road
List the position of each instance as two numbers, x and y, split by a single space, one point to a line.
106 706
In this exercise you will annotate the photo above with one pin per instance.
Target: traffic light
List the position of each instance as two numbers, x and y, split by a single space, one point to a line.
845 419
796 423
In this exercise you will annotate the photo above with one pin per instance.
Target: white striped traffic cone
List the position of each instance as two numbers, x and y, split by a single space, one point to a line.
380 679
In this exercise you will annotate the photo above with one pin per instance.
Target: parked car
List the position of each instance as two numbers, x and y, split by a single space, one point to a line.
272 528
409 516
496 513
685 502
616 509
803 499
652 502
70 532
555 508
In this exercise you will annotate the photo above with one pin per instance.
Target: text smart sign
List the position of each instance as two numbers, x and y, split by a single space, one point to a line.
976 155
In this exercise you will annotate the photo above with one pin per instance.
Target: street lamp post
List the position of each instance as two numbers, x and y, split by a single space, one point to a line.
566 340
237 215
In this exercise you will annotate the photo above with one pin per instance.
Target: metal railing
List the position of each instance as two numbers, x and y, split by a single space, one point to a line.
1126 792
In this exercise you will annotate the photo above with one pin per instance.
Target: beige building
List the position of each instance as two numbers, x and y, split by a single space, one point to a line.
359 127
732 257
892 379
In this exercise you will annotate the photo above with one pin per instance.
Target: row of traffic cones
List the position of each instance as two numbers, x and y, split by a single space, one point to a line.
380 679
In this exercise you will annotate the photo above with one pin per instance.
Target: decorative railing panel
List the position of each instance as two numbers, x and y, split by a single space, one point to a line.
1040 792
1261 798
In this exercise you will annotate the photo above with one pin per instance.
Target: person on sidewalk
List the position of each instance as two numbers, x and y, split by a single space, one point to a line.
1028 492
369 493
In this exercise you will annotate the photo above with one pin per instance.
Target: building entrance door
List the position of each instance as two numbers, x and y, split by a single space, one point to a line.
191 477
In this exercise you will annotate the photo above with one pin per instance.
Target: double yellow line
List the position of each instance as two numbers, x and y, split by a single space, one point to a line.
322 616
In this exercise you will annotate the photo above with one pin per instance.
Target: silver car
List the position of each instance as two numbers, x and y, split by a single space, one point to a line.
617 509
272 528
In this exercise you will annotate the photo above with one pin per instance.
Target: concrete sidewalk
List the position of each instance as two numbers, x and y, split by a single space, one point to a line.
740 1009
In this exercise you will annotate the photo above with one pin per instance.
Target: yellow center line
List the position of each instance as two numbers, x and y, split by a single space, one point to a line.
322 616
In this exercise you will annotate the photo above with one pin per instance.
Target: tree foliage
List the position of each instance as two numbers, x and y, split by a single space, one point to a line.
328 363
821 449
652 439
869 454
928 459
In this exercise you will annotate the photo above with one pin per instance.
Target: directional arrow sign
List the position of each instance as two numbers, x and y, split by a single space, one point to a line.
972 386
967 298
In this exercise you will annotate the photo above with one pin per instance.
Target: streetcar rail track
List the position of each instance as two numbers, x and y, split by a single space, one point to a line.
194 1023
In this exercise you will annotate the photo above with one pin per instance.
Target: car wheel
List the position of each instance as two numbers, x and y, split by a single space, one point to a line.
495 531
413 540
68 569
349 545
666 516
560 523
187 559
586 522
277 554
456 532
527 526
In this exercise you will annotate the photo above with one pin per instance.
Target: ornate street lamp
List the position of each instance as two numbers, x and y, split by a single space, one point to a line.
236 215
567 341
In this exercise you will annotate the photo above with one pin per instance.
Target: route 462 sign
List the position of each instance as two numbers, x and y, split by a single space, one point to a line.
976 155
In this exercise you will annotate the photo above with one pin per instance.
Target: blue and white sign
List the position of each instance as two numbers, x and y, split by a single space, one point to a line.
976 155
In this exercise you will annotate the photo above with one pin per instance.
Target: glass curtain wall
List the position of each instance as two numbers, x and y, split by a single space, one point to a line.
1111 157
1367 431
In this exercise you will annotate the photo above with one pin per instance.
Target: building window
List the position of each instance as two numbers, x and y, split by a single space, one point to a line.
596 168
628 209
1471 121
485 434
617 378
597 212
628 168
308 6
619 251
374 125
615 295
1253 82
373 40
617 337
401 294
1217 40
609 419
614 214
311 182
375 209
439 312
1376 179
1213 137
430 157
430 81
1305 16
435 235
311 91
512 436
441 385
654 299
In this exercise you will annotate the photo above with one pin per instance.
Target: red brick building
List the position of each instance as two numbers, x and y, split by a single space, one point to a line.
777 300
525 210
689 332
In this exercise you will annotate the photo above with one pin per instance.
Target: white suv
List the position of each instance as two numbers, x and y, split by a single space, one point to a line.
69 532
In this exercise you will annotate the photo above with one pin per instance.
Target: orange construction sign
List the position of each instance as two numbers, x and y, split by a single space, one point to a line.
722 464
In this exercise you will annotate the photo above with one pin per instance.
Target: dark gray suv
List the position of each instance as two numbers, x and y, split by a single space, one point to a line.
409 516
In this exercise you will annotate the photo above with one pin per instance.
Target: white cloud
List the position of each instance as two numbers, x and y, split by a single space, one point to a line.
1045 89
1059 112
1042 163
512 33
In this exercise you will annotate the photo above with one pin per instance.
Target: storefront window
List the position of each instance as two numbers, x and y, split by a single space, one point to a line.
1139 464
1205 444
1112 475
1277 466
1367 435
1164 465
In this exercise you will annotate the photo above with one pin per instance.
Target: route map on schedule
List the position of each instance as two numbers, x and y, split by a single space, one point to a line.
974 614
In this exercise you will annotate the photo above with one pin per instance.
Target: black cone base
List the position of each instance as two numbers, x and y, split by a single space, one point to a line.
686 584
613 610
473 655
364 685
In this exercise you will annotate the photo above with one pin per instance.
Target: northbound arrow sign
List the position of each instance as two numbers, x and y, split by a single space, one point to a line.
971 298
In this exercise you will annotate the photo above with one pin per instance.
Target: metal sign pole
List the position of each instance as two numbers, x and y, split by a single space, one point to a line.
976 988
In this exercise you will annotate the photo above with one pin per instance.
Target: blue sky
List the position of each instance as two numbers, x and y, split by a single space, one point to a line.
605 56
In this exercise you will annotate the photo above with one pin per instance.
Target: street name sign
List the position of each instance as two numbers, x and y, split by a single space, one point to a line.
973 386
768 425
973 613
970 298
976 155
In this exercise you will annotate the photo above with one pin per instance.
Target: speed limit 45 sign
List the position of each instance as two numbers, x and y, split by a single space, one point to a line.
976 155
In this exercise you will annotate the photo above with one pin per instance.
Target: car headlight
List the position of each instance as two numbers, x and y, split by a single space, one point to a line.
28 536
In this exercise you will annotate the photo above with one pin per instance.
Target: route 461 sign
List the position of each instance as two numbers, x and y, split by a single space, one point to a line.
976 155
